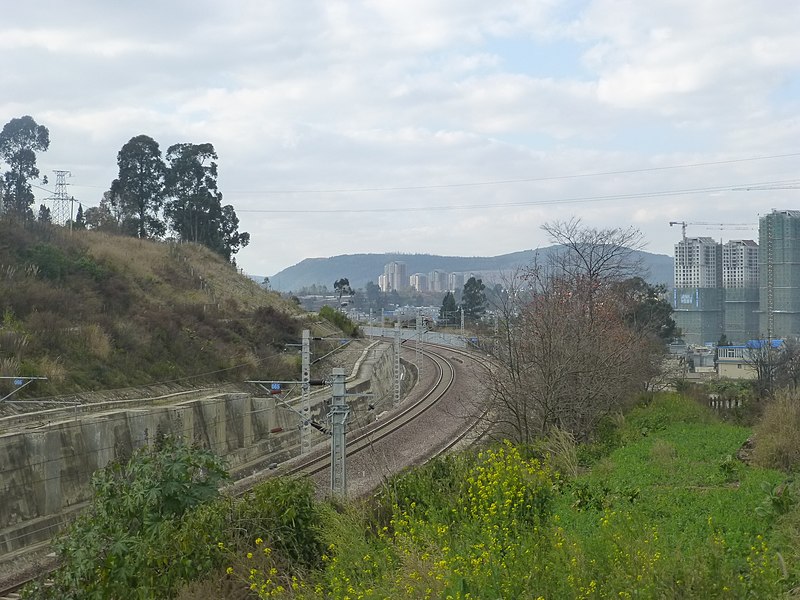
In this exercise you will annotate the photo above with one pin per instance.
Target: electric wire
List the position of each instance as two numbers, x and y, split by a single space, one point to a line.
519 203
520 180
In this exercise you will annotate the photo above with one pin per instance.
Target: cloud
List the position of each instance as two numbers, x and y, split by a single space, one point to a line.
420 96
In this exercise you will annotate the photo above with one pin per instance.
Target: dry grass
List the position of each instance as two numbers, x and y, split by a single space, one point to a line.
562 449
97 341
113 311
777 436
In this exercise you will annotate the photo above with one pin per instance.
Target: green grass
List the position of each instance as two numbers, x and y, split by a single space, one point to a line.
669 513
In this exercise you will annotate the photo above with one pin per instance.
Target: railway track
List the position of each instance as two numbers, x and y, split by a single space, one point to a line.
317 462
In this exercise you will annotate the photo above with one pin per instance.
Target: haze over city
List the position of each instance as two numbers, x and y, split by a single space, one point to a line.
451 128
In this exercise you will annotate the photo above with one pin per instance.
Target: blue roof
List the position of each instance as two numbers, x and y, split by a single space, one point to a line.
758 344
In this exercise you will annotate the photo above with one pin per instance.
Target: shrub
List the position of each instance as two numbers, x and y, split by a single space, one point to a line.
144 532
282 511
777 440
340 320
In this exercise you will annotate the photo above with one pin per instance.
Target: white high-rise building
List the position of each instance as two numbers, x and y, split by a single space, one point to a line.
740 264
455 281
698 263
698 296
437 281
419 281
395 276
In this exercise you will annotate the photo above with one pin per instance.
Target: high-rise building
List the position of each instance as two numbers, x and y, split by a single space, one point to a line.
779 274
437 281
698 294
395 276
419 281
455 282
740 283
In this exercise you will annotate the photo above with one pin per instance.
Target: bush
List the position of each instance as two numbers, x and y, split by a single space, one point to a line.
777 440
282 511
146 530
340 320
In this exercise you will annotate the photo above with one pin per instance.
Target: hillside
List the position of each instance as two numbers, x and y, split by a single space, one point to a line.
361 268
91 311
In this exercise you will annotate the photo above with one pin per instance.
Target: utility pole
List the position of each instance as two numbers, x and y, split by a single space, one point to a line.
383 321
461 310
305 388
418 354
61 202
396 399
338 415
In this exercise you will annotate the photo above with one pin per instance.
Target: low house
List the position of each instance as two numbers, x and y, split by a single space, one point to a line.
739 362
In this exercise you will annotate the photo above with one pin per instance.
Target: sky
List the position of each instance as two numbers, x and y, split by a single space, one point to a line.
454 127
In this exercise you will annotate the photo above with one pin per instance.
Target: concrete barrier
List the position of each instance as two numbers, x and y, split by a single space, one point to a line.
47 461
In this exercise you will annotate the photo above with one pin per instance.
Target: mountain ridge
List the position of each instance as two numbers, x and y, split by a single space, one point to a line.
364 267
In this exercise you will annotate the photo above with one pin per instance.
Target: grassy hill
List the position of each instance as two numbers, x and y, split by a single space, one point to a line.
361 268
92 311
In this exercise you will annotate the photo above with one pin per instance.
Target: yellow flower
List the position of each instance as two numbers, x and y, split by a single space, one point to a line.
229 570
249 555
259 541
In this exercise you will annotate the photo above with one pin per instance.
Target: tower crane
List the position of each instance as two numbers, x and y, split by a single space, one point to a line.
683 224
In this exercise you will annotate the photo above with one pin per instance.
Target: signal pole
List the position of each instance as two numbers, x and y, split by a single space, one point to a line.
418 354
305 388
396 399
339 413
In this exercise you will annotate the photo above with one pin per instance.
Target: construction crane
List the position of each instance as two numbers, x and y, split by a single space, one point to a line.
683 224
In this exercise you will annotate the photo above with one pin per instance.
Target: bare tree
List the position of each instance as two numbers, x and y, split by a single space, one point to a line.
587 257
570 355
776 364
789 374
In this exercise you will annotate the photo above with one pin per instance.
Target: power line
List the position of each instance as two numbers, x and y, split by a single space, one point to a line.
492 181
521 180
484 206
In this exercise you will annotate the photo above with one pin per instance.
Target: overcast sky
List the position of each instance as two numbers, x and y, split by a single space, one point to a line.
450 127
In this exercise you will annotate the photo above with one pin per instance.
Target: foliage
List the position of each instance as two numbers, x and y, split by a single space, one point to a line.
447 312
20 139
342 287
498 525
138 536
375 298
193 208
473 299
340 320
138 192
283 512
646 308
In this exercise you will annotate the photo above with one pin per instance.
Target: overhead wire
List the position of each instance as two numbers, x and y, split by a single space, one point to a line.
485 206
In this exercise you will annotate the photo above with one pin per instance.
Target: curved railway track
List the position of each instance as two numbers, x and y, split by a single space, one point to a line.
317 462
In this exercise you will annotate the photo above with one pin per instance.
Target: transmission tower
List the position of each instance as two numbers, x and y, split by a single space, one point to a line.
62 211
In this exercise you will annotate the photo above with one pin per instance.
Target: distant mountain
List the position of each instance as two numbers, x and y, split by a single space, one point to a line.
361 268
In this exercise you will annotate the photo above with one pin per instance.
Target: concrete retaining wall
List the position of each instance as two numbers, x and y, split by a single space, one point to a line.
45 469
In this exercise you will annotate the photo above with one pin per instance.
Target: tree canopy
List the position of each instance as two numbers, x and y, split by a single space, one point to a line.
139 190
20 139
179 194
473 299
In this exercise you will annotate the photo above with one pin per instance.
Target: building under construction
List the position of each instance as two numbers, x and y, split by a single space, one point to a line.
779 281
698 297
740 283
740 289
